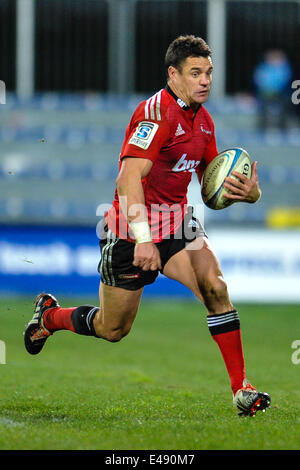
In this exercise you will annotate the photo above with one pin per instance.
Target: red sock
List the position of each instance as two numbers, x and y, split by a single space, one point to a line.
59 319
76 319
225 330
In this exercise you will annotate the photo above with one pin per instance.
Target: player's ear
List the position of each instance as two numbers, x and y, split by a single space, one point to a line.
171 72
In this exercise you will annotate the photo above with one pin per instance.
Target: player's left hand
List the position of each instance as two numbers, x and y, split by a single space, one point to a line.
243 189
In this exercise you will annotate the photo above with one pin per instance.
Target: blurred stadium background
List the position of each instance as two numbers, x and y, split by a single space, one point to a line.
74 70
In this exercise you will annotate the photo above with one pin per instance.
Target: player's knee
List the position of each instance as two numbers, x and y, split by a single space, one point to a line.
215 289
114 336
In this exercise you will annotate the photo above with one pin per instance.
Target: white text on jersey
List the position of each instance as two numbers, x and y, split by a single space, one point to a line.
186 165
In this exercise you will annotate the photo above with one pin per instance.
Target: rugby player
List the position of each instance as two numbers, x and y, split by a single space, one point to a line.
149 228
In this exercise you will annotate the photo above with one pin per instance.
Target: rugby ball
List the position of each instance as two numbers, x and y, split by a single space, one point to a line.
212 185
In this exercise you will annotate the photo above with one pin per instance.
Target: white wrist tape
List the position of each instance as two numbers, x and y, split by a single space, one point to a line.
141 232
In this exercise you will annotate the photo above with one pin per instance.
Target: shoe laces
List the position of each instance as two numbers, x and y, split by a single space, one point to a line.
40 333
247 386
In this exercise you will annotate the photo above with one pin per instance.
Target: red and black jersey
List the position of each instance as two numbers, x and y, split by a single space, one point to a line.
179 142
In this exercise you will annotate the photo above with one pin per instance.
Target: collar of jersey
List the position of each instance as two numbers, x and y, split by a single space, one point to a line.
179 101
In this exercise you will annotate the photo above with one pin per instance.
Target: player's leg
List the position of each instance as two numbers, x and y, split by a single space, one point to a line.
209 276
112 321
120 294
222 318
205 280
197 267
117 312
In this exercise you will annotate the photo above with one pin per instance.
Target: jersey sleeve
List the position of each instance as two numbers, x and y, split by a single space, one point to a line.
146 133
211 150
210 153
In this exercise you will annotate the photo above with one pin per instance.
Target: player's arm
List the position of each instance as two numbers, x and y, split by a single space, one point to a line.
210 153
244 189
132 201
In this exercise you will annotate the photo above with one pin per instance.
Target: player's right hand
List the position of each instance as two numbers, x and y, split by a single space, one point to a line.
146 256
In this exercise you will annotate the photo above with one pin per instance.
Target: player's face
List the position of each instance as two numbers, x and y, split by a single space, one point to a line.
194 79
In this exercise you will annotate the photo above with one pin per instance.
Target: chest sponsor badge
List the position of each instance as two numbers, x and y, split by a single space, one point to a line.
144 134
204 130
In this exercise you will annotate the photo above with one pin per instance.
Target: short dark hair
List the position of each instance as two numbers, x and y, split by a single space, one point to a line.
183 47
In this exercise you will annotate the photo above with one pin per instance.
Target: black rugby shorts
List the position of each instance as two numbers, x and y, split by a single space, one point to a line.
116 266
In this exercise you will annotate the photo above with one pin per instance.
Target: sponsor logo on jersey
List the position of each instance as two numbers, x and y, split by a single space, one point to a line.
144 134
179 130
204 130
186 165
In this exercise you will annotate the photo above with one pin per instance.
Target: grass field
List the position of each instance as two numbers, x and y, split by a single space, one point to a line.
163 387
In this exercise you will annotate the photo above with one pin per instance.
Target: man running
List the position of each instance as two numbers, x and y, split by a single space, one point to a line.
149 228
